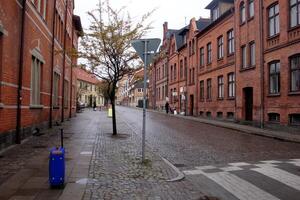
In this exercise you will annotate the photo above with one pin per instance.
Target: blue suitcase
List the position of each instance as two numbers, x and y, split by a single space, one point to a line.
57 167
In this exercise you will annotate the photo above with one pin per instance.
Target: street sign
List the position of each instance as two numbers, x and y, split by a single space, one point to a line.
146 49
141 45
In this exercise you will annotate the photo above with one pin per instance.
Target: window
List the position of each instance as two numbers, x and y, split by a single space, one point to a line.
231 85
1 50
66 93
193 46
190 48
220 47
185 67
35 94
209 56
140 90
243 57
208 114
295 74
220 115
274 77
251 9
181 69
252 54
220 87
56 89
202 56
230 115
242 13
294 13
175 72
273 20
215 13
209 92
163 92
230 39
45 9
201 90
295 119
193 76
274 117
171 73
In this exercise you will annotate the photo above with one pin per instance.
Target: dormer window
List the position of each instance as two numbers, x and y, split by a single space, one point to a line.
215 13
184 39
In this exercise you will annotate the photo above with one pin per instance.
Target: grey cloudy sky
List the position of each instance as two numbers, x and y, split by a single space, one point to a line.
176 13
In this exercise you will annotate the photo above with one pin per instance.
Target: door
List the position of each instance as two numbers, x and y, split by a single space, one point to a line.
248 99
191 105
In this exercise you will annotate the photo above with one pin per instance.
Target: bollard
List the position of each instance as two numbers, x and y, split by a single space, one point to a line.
62 138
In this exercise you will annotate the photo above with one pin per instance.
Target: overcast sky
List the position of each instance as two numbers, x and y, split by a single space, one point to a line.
176 13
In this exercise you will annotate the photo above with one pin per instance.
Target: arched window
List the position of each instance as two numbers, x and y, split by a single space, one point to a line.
242 12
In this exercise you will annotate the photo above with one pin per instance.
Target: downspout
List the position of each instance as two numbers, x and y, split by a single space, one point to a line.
71 82
262 79
64 65
235 65
52 65
20 78
196 77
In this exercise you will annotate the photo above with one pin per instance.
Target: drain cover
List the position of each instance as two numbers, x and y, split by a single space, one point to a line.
179 165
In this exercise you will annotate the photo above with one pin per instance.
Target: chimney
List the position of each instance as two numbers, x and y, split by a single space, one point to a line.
165 27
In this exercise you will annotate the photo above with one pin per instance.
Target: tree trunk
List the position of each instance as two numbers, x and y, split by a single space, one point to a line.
114 122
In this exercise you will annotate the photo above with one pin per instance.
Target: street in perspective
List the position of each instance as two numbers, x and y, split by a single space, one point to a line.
149 100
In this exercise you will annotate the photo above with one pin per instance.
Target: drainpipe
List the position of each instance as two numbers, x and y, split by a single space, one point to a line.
20 78
64 64
262 79
71 82
52 65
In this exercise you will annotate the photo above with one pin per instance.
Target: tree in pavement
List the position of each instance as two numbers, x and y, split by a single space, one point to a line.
106 46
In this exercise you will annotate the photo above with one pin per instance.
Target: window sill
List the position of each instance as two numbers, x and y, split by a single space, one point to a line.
273 37
294 93
1 105
242 23
201 100
231 98
230 55
247 68
56 107
294 28
220 98
274 95
208 100
250 18
221 59
36 106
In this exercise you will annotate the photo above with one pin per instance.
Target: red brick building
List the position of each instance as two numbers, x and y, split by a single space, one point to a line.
241 65
37 85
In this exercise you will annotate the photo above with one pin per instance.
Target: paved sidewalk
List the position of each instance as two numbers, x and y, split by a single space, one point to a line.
98 166
243 128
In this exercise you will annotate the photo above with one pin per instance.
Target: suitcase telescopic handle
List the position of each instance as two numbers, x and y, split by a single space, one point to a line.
62 138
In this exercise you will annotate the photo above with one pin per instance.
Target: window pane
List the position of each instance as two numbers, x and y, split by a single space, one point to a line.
294 16
251 9
277 24
295 80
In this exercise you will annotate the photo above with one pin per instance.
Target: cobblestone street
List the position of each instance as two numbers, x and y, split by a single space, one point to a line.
216 162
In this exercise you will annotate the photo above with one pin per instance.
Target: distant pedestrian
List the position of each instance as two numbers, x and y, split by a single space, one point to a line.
94 106
167 106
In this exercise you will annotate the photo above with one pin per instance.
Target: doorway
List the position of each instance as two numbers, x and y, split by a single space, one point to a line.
248 99
191 105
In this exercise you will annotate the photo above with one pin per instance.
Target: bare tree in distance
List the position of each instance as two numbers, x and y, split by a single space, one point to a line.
106 46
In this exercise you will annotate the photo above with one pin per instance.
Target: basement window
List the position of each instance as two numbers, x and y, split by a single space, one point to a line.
274 117
295 119
208 114
230 115
220 115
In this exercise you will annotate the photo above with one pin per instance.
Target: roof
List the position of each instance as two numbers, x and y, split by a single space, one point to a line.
77 25
214 3
86 76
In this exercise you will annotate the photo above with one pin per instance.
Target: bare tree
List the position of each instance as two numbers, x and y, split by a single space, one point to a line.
106 46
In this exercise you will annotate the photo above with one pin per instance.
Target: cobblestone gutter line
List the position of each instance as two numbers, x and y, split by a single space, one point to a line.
116 171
